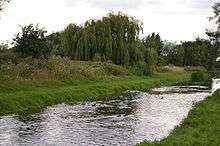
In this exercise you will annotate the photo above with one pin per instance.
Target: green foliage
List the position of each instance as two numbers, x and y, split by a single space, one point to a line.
54 41
214 36
199 76
111 37
7 56
216 10
151 59
161 61
31 42
136 53
200 52
175 55
97 57
147 64
56 67
192 53
154 41
114 38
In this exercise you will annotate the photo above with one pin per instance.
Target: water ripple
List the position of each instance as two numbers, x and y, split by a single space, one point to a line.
135 117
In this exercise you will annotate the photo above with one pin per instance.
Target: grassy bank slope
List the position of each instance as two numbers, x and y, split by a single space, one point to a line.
200 128
20 96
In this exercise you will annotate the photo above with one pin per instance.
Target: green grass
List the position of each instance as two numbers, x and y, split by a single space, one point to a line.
200 128
21 96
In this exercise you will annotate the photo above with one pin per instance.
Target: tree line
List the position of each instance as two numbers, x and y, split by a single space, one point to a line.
115 38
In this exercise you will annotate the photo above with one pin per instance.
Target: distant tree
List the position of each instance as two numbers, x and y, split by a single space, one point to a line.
69 39
214 35
167 50
154 41
191 53
3 46
54 41
31 42
216 10
176 56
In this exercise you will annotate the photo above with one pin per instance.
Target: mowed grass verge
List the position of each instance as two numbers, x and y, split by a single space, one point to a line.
200 128
21 96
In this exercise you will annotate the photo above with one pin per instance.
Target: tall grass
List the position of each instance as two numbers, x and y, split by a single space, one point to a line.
57 68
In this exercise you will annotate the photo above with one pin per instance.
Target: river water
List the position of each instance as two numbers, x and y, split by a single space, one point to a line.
134 117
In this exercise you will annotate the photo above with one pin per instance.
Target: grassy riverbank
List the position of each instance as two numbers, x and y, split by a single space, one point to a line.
28 95
200 128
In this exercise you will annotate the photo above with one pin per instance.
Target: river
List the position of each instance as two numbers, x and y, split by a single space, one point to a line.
132 118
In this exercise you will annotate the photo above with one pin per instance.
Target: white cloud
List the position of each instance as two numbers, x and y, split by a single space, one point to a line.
136 4
128 4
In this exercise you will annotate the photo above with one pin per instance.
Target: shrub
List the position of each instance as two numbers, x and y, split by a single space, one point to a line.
21 70
31 42
56 67
97 57
199 76
141 68
161 61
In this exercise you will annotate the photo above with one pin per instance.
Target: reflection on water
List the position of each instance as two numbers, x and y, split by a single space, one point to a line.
133 118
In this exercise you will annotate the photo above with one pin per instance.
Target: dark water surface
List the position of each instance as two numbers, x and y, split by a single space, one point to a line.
135 117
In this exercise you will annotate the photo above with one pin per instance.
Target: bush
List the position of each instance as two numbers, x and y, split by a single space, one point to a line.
97 57
199 76
56 67
31 42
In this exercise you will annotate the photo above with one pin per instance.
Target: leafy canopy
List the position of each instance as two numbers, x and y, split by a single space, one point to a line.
31 42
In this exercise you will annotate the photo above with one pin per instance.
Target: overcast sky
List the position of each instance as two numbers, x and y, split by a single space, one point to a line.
175 20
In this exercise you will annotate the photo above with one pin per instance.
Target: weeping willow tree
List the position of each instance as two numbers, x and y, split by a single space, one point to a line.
108 37
69 39
113 38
